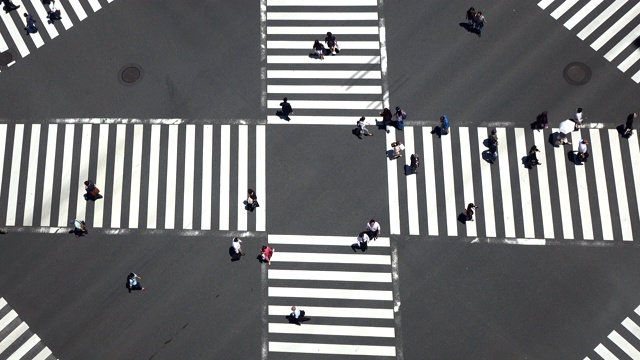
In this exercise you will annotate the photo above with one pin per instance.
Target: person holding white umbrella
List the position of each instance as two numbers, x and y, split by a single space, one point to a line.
565 127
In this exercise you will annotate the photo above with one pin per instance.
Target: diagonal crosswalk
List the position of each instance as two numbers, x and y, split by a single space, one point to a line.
596 200
621 344
615 28
18 43
151 176
347 297
16 340
334 90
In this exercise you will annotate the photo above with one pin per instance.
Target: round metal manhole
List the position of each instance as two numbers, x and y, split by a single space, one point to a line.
130 74
5 58
577 73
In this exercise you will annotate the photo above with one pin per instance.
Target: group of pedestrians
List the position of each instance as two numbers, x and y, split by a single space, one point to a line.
475 21
332 46
53 14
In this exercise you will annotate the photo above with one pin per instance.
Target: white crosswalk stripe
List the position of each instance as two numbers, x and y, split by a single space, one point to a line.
148 175
617 24
559 199
623 342
346 310
16 339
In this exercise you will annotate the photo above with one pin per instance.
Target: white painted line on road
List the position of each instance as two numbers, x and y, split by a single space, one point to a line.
634 152
323 240
354 258
623 44
508 241
261 177
315 30
563 191
636 77
449 185
49 169
42 15
225 172
583 191
207 175
525 186
324 89
412 183
25 348
624 345
328 3
615 28
487 188
467 176
629 61
600 19
65 19
101 173
560 10
14 179
243 174
31 181
95 5
637 310
7 319
3 303
331 349
334 330
329 104
544 3
392 187
315 15
77 8
632 327
13 336
313 120
543 186
342 59
324 293
172 168
601 185
135 121
16 35
337 312
323 74
36 38
65 178
136 174
505 183
3 44
83 171
118 174
605 353
318 275
575 19
189 176
430 182
351 45
43 354
154 174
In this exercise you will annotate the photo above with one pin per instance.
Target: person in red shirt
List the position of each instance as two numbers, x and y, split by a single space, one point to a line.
267 253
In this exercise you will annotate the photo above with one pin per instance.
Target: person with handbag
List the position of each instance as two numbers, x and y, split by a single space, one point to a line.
92 192
266 253
252 200
54 13
397 149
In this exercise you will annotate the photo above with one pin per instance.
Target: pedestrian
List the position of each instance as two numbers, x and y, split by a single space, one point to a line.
31 24
386 118
54 13
319 49
532 157
583 154
362 129
133 283
237 248
9 6
296 315
332 43
542 121
79 228
373 229
362 242
92 192
444 125
415 163
397 149
398 119
252 200
628 126
493 143
266 253
471 17
286 109
579 118
479 23
469 211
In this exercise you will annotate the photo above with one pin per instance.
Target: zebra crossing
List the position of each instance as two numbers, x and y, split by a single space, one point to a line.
621 344
348 297
18 43
602 23
152 176
334 90
597 200
16 340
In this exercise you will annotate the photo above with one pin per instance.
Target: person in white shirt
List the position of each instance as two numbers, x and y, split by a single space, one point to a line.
582 150
54 13
373 229
296 315
237 248
579 117
363 130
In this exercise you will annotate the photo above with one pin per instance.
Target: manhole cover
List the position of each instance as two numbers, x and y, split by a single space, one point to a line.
130 74
577 73
5 58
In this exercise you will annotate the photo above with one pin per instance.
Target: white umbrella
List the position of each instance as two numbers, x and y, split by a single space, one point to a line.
567 126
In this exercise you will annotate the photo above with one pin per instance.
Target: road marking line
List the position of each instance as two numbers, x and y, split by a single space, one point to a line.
324 293
467 175
601 19
118 173
636 77
525 186
338 312
65 19
623 44
189 177
7 319
95 5
313 120
243 175
225 172
334 330
136 174
331 349
324 89
392 186
601 185
154 174
449 185
342 59
25 348
261 177
42 355
560 10
35 37
14 179
583 191
329 3
315 30
324 74
575 19
323 240
15 34
329 104
101 173
172 168
351 45
207 165
430 183
544 3
487 187
412 185
629 61
42 15
543 186
49 169
32 173
634 152
563 192
318 275
315 15
505 184
13 336
615 28
65 178
624 345
632 327
328 258
77 8
605 353
83 171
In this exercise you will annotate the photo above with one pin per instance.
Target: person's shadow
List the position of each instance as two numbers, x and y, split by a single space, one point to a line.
437 131
462 217
232 253
487 156
356 246
302 318
282 115
468 27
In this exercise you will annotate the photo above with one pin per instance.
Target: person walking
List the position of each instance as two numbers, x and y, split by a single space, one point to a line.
266 253
493 143
628 126
469 211
286 109
399 118
133 283
362 129
332 43
471 17
373 229
579 118
397 149
319 49
386 118
237 247
532 157
252 200
31 24
9 6
92 192
79 228
479 23
444 124
583 154
362 242
415 162
542 121
296 315
54 13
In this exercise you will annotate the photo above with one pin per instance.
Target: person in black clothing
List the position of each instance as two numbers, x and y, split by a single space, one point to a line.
628 126
286 110
542 121
532 157
332 43
469 211
8 6
318 48
415 162
31 26
252 200
386 118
